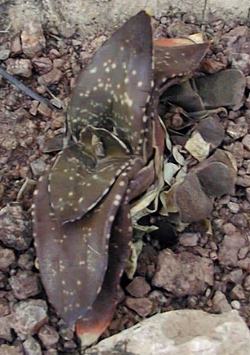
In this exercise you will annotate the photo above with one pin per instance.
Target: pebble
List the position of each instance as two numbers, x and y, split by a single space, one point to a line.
5 329
138 287
237 130
4 307
29 316
189 239
246 283
7 257
16 46
21 67
25 284
44 110
243 181
48 336
142 306
32 347
184 273
42 65
220 303
229 248
235 305
235 276
38 167
229 228
233 207
52 77
15 228
246 141
4 53
32 38
237 293
10 350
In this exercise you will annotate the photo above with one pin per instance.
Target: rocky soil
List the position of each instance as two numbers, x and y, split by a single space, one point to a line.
198 268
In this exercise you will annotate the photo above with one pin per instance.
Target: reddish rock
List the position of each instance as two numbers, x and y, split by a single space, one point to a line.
220 303
183 274
138 287
52 77
33 40
48 336
142 306
22 67
25 284
229 248
42 65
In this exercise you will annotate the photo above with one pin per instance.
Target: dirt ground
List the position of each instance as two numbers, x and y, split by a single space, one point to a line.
211 267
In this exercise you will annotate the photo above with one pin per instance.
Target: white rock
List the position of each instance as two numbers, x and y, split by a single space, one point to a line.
186 332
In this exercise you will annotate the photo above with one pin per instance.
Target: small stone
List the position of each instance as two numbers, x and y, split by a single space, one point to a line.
4 53
24 284
237 130
142 306
16 47
32 347
48 336
10 350
15 228
235 276
220 303
52 77
229 248
243 252
33 40
229 228
248 194
243 181
178 28
57 120
38 167
183 274
138 287
246 141
5 329
211 66
237 293
42 65
233 207
189 239
246 283
26 260
20 67
4 307
29 316
44 110
211 130
235 305
7 257
240 220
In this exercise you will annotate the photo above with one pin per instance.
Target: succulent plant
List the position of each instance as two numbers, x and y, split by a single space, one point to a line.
114 155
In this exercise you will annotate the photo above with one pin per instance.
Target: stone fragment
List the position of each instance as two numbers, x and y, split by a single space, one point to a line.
11 350
29 316
48 336
26 261
246 141
237 130
24 284
7 257
229 249
52 77
4 53
4 307
189 239
186 196
246 283
237 293
220 303
16 47
142 306
32 347
15 228
22 67
44 110
178 28
38 167
5 329
180 332
243 181
32 38
138 287
42 65
183 274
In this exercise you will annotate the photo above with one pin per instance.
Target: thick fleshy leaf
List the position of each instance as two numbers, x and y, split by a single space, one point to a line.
77 182
73 257
114 88
225 88
97 319
176 57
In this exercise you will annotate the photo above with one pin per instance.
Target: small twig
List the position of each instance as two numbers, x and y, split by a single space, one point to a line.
20 86
204 11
